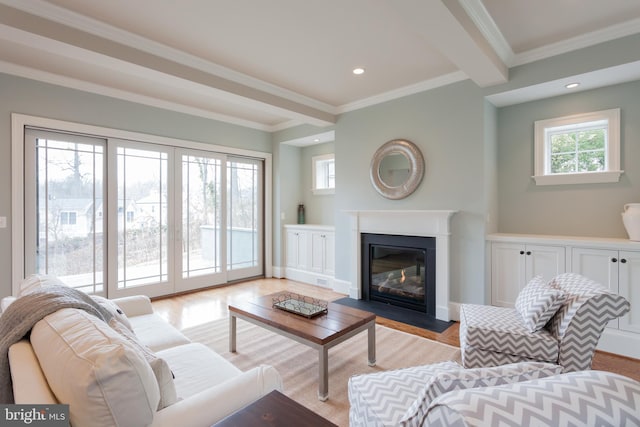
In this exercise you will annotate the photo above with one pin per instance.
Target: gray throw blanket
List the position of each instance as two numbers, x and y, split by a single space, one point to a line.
16 322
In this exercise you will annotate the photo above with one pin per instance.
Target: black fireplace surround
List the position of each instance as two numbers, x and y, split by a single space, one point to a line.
399 270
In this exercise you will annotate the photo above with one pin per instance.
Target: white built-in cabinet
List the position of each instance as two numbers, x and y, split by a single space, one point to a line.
619 271
322 252
296 246
514 264
614 263
310 253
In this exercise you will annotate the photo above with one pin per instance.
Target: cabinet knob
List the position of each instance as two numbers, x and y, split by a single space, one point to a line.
614 259
521 252
528 252
624 261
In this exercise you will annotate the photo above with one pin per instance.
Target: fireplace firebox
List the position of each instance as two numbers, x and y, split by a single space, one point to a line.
399 270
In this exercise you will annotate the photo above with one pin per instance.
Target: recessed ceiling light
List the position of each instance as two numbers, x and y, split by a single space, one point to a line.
316 140
572 85
358 71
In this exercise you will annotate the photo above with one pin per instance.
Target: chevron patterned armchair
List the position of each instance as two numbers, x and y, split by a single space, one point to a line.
556 322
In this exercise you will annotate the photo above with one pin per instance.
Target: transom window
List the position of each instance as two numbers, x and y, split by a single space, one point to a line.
578 149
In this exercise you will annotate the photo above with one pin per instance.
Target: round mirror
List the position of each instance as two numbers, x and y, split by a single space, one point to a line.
397 169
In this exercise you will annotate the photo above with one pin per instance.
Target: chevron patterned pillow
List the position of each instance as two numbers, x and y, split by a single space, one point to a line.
538 302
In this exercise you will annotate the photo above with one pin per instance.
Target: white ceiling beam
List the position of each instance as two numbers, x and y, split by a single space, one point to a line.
234 92
446 26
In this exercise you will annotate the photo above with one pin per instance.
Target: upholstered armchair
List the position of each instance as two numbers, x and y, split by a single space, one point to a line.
558 322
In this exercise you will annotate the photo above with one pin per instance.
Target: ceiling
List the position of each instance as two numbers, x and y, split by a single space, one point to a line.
275 64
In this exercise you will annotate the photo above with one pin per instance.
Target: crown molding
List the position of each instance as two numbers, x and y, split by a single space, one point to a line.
436 82
589 39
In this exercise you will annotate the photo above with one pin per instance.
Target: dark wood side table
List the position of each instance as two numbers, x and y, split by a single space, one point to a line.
274 410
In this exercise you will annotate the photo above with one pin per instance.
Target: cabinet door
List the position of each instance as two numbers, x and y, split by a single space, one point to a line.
629 268
600 265
296 249
507 273
330 254
322 252
317 251
545 261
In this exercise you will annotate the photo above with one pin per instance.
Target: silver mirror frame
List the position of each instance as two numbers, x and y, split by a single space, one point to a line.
416 168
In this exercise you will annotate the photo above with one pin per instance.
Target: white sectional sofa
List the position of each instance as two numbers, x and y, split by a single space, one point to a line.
75 358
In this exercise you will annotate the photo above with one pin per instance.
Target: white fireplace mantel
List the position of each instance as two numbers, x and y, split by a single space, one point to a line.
426 223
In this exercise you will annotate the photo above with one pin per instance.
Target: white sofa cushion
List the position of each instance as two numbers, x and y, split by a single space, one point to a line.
156 333
196 368
538 302
91 367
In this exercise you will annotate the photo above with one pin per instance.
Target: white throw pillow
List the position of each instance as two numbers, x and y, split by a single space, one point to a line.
36 281
115 311
159 366
91 367
538 302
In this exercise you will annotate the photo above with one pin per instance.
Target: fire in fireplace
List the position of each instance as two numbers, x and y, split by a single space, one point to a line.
399 270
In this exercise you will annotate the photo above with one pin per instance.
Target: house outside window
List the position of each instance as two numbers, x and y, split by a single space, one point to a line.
578 149
324 174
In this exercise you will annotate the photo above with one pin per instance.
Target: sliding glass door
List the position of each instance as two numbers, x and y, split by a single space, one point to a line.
140 238
200 215
64 228
162 220
244 218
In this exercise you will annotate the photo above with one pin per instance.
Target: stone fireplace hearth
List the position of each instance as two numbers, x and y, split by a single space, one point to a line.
426 223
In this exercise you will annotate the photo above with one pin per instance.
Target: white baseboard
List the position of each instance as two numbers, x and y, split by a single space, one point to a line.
276 272
454 311
309 277
620 342
341 286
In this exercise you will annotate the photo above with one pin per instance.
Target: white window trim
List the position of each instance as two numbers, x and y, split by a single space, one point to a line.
314 161
18 123
612 172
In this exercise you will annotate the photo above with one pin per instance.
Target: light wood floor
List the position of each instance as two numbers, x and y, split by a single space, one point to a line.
195 308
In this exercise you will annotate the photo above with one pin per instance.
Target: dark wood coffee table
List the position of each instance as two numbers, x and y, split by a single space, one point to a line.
274 410
322 332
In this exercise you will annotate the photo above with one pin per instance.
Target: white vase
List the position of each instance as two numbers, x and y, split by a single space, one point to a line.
631 220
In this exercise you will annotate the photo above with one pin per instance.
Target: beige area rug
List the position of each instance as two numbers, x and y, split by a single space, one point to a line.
298 364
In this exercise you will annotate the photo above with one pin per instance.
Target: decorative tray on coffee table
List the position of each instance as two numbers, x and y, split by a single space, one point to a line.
300 304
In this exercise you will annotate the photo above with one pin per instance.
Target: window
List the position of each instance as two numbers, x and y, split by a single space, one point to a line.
155 224
324 174
68 218
578 149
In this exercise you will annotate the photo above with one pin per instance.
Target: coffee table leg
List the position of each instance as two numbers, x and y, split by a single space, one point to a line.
372 344
232 333
323 377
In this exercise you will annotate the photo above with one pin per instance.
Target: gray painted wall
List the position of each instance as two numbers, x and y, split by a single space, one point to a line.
289 189
44 100
447 124
319 209
574 210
